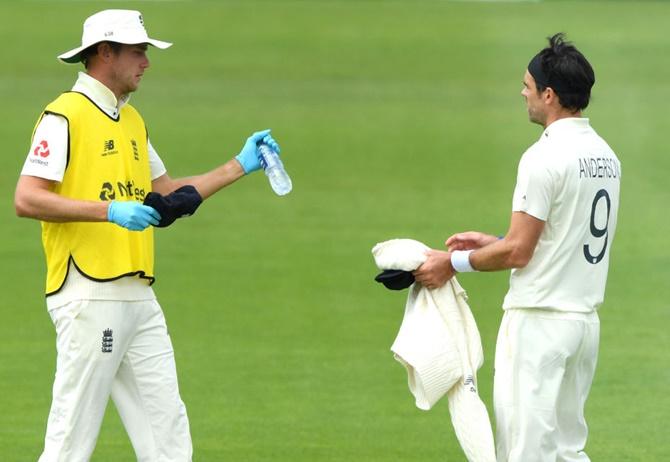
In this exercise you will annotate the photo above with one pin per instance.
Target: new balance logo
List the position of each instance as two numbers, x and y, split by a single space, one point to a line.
107 341
109 148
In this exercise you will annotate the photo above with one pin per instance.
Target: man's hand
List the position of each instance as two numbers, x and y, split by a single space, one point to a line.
132 215
436 270
248 156
470 240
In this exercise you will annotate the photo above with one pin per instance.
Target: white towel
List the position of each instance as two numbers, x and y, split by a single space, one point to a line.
439 345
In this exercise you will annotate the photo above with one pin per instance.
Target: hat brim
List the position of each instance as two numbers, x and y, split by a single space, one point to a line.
74 56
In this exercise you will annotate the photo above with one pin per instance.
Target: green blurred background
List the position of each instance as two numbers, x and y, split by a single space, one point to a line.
396 119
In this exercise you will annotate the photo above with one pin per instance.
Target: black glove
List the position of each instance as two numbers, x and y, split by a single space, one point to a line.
395 279
180 203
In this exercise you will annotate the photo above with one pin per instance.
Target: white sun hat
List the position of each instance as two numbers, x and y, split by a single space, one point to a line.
121 26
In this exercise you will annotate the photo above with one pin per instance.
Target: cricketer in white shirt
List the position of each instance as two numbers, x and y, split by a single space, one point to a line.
570 180
564 217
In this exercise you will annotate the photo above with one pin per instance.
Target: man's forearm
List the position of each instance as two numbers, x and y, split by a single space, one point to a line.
515 250
500 255
54 208
34 200
207 184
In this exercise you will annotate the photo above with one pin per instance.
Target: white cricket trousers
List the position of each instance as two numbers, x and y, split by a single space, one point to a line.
122 349
544 367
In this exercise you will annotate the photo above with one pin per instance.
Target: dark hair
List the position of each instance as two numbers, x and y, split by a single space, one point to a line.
86 54
566 71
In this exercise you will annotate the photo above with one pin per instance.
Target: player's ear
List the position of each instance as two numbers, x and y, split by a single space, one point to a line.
549 95
105 51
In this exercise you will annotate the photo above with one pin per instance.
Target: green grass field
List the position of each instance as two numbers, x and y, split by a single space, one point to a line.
396 119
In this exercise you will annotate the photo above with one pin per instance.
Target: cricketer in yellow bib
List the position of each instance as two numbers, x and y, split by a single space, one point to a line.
87 174
109 160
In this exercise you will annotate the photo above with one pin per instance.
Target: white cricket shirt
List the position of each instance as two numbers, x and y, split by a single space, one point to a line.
570 179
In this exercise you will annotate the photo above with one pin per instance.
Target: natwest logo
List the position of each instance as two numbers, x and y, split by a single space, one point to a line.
109 191
42 149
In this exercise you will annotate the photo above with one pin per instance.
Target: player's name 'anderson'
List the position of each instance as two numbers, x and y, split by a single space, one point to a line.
599 167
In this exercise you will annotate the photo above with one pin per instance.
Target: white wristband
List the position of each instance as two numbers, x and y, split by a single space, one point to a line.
460 260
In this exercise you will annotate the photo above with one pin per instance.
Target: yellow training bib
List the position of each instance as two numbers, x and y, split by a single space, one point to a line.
108 160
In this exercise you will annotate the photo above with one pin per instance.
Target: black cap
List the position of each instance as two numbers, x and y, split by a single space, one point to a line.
180 203
395 279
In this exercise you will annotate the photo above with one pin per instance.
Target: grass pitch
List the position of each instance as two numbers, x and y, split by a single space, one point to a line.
396 119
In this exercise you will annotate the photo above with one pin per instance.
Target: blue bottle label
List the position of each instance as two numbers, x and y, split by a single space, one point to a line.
264 150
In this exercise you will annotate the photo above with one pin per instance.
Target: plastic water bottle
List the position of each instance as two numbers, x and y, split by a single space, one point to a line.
274 169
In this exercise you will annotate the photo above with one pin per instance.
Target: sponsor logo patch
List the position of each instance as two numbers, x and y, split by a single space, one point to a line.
42 149
107 341
110 191
109 149
136 152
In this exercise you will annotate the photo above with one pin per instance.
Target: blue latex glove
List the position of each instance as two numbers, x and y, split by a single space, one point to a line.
132 215
248 157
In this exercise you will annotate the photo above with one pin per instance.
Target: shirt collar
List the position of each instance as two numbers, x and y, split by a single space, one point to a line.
102 96
565 124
